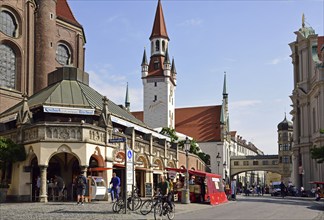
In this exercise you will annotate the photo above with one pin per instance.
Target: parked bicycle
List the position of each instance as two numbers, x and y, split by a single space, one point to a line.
135 199
149 205
162 210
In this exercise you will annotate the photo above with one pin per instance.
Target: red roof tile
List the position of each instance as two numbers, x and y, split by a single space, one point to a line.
64 12
201 123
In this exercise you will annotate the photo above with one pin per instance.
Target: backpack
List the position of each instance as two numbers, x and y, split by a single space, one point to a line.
80 182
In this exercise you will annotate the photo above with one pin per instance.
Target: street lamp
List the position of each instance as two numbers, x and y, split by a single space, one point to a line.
185 192
218 158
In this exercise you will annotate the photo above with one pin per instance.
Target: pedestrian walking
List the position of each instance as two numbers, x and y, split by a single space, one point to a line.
115 182
282 189
59 183
81 184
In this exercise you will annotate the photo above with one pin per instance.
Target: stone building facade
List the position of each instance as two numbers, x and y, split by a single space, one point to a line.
308 104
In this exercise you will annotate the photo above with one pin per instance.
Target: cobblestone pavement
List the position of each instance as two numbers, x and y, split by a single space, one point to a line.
94 210
69 210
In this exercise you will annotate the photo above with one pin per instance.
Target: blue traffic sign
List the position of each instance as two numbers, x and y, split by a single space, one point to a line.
129 154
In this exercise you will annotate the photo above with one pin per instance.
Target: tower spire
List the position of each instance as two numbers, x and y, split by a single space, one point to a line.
127 102
159 27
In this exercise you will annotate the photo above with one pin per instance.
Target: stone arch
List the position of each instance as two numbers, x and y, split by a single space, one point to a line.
171 164
142 160
159 164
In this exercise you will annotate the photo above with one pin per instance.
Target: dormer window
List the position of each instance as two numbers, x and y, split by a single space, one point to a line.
156 65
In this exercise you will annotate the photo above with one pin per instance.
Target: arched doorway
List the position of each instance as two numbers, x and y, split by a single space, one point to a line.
67 166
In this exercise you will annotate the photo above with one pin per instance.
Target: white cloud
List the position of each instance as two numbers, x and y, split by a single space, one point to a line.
114 87
244 103
111 19
278 60
191 22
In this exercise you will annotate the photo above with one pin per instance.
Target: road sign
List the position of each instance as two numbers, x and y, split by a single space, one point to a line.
117 140
129 156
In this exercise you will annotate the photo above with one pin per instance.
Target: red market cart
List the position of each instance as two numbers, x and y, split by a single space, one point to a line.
215 190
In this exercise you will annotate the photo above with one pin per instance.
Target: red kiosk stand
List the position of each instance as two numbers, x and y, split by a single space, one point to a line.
215 190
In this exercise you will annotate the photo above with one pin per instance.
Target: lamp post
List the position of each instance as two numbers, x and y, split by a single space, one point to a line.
218 158
185 193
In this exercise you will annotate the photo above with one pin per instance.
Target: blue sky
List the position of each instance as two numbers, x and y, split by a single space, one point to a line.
247 39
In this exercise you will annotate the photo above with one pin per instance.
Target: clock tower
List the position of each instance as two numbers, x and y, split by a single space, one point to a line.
159 77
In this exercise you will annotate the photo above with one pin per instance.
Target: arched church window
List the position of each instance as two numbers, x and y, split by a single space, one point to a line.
157 45
8 24
163 46
63 55
7 67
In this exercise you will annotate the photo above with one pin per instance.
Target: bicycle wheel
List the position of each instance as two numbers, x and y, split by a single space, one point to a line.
114 206
136 201
158 211
147 207
119 205
171 213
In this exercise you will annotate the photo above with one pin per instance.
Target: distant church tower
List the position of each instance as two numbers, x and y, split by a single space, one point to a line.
159 77
285 139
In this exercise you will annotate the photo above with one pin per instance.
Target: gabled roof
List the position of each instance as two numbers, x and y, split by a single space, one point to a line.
64 12
201 123
159 27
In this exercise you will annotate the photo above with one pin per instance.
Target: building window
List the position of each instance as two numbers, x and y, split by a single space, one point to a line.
156 65
285 159
8 24
163 45
63 54
155 84
157 45
7 67
265 162
236 163
255 163
245 163
275 162
155 98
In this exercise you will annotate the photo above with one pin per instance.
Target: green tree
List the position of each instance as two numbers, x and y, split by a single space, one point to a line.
10 152
170 133
194 149
317 153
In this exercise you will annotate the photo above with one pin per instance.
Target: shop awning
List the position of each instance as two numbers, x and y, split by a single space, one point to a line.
93 169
